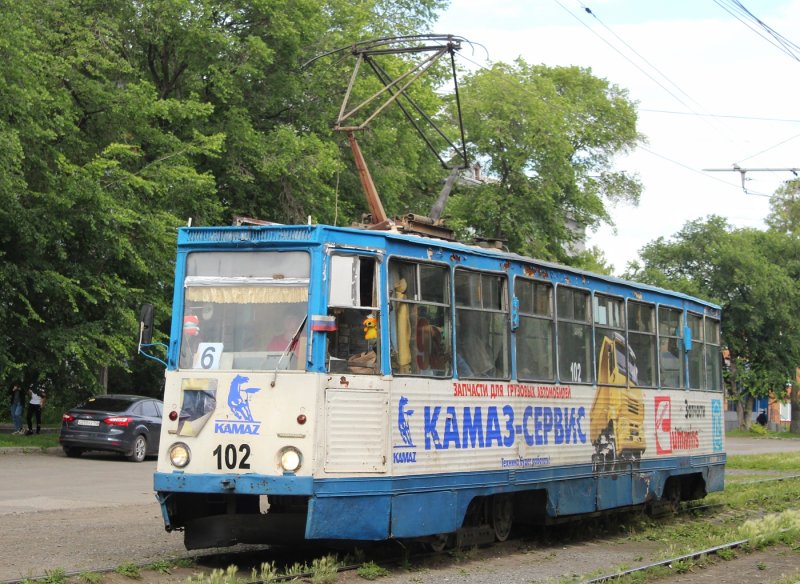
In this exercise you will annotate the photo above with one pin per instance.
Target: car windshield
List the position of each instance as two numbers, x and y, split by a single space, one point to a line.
106 403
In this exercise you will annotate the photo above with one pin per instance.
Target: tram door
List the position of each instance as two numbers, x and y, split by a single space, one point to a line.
356 395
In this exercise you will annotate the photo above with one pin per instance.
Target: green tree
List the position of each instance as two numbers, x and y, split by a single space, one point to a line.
784 217
121 120
97 175
548 137
753 275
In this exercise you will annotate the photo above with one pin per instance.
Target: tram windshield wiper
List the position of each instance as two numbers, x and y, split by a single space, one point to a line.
292 343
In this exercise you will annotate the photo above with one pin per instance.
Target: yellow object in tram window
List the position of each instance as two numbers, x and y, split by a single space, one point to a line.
403 328
370 328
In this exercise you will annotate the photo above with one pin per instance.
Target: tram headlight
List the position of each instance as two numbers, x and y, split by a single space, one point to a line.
179 454
290 459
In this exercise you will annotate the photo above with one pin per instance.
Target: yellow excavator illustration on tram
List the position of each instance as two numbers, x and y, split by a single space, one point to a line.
616 422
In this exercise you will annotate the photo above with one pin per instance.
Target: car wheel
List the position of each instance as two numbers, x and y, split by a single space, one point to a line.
139 449
72 452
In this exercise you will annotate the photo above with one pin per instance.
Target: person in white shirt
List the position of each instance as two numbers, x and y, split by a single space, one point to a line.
36 397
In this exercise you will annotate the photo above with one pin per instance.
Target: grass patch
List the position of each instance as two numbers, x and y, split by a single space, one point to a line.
90 577
129 570
371 571
44 440
757 431
783 461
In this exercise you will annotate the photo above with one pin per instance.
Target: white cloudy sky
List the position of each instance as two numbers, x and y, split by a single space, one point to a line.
706 62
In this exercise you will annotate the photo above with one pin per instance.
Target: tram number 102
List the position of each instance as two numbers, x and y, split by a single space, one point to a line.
231 457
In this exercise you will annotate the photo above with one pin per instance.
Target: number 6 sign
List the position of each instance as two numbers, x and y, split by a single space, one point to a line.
207 356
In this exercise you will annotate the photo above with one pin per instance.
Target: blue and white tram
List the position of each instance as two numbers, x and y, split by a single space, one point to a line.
339 383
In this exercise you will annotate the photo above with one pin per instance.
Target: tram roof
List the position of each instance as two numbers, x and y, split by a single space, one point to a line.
192 236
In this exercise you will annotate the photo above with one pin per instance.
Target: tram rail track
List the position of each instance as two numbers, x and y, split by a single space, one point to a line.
253 556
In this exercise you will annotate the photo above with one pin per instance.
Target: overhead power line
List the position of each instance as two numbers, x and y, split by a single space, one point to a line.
727 116
738 10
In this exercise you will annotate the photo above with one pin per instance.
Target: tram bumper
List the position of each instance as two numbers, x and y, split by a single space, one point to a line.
218 510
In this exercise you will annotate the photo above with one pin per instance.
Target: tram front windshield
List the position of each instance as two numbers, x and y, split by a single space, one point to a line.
245 310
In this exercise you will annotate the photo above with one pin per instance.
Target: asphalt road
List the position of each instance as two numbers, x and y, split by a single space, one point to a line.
760 445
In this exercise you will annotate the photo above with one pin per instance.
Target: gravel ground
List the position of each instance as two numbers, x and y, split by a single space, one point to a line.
105 536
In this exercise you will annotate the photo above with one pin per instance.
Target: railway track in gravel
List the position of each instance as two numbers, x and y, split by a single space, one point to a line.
392 554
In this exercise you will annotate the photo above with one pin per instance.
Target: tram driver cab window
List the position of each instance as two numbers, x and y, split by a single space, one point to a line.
354 347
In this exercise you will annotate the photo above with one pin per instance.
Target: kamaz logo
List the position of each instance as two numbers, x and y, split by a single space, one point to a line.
221 427
239 403
402 457
406 454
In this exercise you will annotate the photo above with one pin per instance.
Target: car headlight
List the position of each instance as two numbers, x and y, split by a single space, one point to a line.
179 454
291 459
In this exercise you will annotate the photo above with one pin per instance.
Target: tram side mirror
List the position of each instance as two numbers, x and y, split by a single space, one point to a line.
146 324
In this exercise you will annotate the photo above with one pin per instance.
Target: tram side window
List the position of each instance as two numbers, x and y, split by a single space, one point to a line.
642 343
419 318
353 300
613 366
574 336
697 352
671 347
713 356
535 354
482 325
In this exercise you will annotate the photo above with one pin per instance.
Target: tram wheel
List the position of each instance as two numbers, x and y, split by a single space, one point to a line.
439 542
672 497
501 516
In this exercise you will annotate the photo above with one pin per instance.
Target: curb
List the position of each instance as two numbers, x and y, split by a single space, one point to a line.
51 450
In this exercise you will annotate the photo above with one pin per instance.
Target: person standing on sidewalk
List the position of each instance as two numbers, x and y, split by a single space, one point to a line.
35 405
17 407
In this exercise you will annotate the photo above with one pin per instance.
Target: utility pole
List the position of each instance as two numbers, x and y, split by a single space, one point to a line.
743 171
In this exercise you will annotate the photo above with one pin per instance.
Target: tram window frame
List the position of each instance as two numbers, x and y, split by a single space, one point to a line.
644 349
697 377
669 340
574 320
713 354
427 287
537 326
609 318
482 327
347 348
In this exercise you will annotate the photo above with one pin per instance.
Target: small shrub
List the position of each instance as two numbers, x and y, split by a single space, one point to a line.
681 566
324 570
90 577
160 566
267 573
129 570
297 569
726 554
372 571
227 576
55 576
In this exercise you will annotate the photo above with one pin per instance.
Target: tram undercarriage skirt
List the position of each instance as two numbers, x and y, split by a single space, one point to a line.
228 530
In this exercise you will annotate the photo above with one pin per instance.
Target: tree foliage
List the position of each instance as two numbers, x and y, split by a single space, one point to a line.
547 137
121 120
753 275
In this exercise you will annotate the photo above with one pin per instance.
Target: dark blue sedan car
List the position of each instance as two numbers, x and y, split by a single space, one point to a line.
128 424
